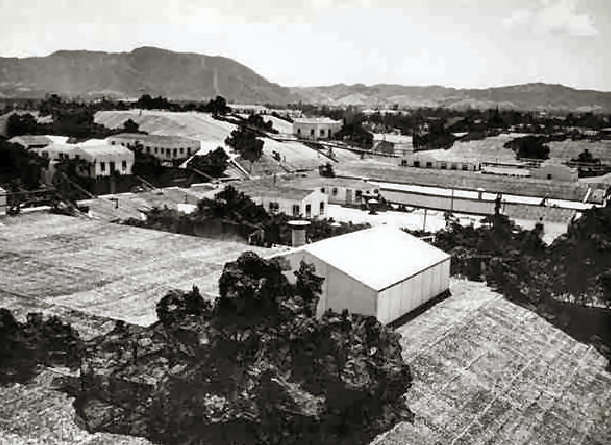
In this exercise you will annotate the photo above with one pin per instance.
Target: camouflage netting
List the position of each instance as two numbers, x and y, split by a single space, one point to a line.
255 367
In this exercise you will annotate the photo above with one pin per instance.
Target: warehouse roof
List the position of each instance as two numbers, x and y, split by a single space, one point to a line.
379 258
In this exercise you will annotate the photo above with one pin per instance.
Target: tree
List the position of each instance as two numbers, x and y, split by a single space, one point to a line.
212 163
217 106
245 142
20 124
529 147
131 126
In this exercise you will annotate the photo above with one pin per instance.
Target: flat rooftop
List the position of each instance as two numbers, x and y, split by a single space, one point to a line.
106 269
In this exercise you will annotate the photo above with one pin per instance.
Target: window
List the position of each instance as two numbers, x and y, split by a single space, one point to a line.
444 166
322 133
453 166
112 142
181 150
358 193
429 164
156 150
188 151
296 210
549 176
102 166
175 152
162 150
124 165
312 132
416 163
308 210
465 166
334 191
112 167
322 208
299 131
148 150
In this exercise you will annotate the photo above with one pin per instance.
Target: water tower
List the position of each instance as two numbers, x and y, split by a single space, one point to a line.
298 231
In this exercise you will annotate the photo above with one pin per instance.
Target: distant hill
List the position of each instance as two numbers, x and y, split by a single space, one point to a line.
537 96
193 76
148 70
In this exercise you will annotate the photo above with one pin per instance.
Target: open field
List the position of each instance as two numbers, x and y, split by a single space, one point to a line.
381 171
106 269
485 150
489 372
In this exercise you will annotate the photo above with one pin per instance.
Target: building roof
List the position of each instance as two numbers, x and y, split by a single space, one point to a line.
536 213
350 183
264 189
316 120
104 151
27 139
379 258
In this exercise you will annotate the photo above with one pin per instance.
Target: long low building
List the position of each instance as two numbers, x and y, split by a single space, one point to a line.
164 148
383 272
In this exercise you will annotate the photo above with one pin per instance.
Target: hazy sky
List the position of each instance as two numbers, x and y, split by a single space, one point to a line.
460 43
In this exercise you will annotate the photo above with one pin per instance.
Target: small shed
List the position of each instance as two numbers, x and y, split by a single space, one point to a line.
382 272
348 191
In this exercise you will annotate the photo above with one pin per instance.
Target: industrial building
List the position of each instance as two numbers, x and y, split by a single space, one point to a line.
296 202
164 148
315 128
382 272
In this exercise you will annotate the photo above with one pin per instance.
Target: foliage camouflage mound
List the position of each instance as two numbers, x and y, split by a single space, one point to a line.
255 367
38 341
568 282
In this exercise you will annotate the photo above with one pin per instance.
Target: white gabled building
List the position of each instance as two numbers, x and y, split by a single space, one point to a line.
315 128
296 202
383 272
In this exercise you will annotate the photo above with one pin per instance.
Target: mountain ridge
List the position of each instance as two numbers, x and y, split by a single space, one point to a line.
189 75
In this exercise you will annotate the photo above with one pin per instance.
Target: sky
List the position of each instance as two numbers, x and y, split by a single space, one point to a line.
455 43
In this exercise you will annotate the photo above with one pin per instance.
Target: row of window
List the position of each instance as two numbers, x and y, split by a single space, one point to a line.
113 166
168 152
313 132
274 207
442 165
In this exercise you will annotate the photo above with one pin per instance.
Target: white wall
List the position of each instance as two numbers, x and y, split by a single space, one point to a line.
285 205
340 197
304 129
410 294
339 291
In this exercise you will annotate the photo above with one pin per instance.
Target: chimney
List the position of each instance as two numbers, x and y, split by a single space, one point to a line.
298 232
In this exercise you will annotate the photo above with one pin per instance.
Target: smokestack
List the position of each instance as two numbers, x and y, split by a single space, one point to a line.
298 232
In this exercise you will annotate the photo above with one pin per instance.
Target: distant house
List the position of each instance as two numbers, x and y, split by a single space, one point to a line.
297 202
425 160
315 128
102 158
553 170
164 148
105 159
348 191
382 272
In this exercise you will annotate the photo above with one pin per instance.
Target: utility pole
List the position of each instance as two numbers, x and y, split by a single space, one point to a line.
424 222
